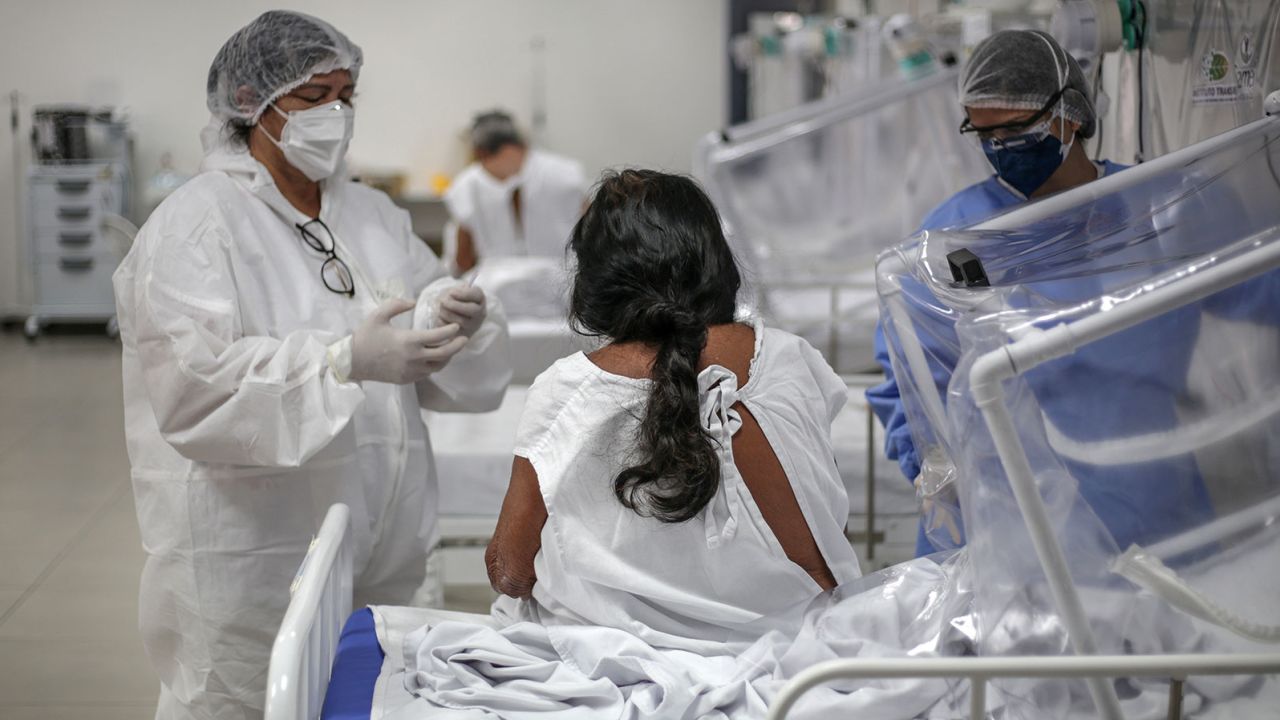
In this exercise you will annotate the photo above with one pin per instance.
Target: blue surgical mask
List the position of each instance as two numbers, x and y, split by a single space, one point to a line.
1028 160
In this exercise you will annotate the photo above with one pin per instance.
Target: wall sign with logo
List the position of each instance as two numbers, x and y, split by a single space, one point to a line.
1224 79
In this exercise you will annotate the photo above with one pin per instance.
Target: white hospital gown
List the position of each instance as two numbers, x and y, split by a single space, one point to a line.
629 612
681 585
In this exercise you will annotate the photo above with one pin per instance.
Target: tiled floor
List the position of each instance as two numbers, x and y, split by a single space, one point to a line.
69 551
70 557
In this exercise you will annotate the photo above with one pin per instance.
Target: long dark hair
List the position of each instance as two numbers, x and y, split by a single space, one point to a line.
653 266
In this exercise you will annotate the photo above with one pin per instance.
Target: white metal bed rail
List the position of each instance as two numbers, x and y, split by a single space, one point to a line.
981 670
307 643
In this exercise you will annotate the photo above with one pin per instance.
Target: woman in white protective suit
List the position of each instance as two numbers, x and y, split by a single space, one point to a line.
270 369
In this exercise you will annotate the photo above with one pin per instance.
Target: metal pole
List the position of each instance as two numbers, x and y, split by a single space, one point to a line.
752 137
871 484
989 397
1175 699
833 336
977 697
1265 512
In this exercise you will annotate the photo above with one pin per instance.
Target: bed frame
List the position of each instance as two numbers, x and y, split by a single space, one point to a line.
304 651
307 643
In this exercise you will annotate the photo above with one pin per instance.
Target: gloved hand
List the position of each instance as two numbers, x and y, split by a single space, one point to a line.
939 503
465 306
384 353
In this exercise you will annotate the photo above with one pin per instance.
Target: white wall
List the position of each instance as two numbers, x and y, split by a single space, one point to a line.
628 81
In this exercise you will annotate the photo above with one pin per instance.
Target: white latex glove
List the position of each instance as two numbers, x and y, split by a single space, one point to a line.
939 503
384 353
464 306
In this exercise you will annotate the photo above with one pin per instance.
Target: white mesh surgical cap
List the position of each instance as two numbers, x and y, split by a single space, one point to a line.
1024 70
271 56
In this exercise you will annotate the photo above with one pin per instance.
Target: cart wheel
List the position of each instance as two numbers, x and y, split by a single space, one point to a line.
31 328
113 328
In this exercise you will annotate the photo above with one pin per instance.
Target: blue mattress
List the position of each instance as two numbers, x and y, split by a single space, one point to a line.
355 671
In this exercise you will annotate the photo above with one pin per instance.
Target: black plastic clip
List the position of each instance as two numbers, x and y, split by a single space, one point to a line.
966 268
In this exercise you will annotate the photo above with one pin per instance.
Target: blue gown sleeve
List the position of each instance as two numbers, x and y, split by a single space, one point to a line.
885 398
886 403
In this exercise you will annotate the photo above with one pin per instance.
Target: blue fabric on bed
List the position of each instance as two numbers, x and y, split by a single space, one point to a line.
355 671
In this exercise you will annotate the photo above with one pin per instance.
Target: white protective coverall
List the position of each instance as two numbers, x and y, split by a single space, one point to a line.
239 434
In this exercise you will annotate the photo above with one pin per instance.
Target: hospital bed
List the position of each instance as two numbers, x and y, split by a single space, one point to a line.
323 667
326 660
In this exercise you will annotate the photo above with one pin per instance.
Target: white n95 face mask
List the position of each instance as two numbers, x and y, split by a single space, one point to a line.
315 140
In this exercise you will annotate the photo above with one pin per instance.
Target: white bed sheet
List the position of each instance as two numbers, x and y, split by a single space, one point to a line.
873 616
915 609
393 623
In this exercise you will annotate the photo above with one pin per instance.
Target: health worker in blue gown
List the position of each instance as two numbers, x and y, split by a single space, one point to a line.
1028 104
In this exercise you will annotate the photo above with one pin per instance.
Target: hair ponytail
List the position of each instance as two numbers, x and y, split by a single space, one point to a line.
653 266
679 470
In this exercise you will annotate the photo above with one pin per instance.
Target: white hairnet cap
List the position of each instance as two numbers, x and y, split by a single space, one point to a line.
271 56
1023 70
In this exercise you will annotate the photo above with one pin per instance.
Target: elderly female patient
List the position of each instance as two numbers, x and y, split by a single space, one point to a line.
678 482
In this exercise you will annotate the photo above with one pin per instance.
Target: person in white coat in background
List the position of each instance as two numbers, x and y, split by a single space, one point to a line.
270 369
513 201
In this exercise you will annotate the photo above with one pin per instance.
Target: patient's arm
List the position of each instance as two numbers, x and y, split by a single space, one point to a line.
518 537
465 255
769 487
